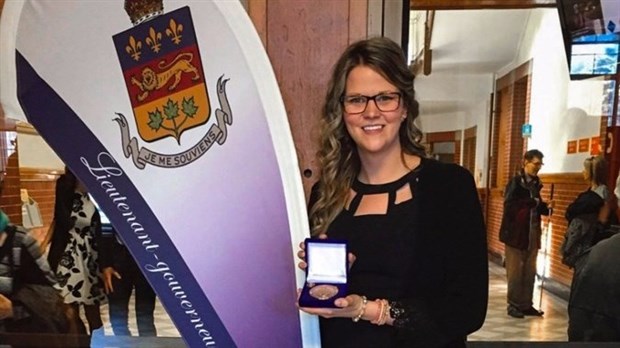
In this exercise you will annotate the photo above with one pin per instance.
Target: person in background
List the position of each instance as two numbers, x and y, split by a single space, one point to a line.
589 215
73 251
21 262
414 225
595 174
121 276
520 231
594 305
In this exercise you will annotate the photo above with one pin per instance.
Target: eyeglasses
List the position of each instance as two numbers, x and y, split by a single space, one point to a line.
537 164
356 104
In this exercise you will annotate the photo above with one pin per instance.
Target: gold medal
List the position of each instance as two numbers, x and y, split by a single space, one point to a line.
323 292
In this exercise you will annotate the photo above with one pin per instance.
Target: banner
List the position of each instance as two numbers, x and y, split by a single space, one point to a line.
171 116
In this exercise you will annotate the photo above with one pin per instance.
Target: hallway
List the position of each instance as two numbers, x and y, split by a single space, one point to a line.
498 326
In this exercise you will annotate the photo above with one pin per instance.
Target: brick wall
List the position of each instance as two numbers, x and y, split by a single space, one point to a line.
457 152
516 118
40 183
469 150
493 161
512 111
495 208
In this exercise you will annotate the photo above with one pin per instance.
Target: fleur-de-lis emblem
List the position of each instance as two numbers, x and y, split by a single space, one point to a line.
174 31
134 48
154 40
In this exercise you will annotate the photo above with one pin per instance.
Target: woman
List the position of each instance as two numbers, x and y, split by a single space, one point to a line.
414 225
589 215
73 254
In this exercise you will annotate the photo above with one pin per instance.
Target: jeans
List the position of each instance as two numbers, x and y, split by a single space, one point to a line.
131 278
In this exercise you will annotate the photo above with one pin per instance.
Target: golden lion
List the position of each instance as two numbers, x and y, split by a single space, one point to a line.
152 81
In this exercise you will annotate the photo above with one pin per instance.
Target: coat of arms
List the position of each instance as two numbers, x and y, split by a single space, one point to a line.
166 84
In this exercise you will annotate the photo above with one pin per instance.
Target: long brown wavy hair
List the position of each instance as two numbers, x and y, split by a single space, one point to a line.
338 156
596 166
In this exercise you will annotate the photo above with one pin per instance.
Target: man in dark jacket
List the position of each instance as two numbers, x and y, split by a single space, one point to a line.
520 232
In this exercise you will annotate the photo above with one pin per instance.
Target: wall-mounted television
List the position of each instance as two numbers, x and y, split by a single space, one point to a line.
591 31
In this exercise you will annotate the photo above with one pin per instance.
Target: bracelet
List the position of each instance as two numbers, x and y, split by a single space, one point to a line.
359 316
380 313
384 312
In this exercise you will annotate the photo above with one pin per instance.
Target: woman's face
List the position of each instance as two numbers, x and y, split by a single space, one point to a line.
373 130
586 172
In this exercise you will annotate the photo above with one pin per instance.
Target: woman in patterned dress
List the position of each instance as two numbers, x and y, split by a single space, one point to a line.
73 253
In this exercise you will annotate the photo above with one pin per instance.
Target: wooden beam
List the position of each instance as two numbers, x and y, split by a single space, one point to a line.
428 35
478 4
422 60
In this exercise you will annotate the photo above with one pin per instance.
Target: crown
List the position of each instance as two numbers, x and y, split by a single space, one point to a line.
142 10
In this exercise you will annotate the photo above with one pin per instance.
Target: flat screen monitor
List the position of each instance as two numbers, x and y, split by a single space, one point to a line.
596 58
591 31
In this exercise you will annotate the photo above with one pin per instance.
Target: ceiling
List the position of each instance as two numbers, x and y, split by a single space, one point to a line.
468 48
476 41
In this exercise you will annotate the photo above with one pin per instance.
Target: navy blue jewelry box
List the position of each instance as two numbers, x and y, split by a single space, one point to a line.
326 274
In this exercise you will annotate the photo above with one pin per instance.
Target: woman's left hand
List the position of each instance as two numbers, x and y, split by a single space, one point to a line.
301 254
346 307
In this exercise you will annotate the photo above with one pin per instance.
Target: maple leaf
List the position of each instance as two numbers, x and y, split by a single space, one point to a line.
171 110
189 107
155 119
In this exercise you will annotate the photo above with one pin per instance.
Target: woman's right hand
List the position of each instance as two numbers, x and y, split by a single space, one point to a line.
346 307
108 273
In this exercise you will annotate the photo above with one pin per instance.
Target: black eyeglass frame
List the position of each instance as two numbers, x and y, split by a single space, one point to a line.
368 99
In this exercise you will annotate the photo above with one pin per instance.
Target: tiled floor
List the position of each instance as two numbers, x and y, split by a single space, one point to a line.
163 324
497 327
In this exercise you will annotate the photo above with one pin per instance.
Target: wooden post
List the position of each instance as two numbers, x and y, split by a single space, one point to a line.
612 139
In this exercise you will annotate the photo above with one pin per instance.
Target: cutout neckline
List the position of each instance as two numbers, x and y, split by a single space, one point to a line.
393 186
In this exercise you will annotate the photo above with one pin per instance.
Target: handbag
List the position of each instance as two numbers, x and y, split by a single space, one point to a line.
31 214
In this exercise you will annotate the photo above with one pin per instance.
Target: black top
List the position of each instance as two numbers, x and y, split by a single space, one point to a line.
426 255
